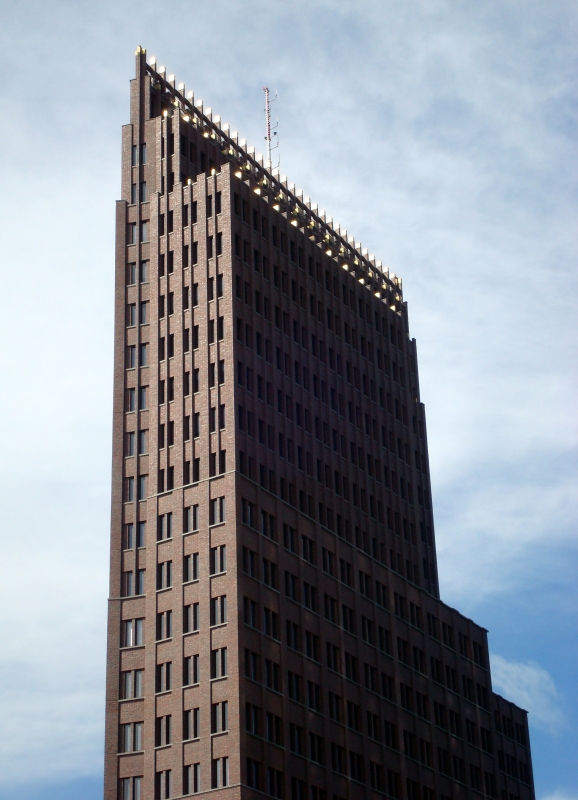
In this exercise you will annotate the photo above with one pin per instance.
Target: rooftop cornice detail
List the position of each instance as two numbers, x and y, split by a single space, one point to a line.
284 197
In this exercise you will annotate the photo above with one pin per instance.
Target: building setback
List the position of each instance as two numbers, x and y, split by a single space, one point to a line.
275 627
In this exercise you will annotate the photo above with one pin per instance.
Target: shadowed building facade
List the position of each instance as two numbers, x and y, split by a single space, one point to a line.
275 626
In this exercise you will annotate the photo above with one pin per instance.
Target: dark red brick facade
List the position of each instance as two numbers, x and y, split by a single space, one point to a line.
277 458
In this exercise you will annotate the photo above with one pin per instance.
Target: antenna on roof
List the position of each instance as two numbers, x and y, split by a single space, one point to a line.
268 137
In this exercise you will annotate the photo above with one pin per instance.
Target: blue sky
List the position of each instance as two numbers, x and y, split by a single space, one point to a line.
442 136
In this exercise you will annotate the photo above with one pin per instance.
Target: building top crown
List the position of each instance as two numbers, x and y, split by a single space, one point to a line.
267 182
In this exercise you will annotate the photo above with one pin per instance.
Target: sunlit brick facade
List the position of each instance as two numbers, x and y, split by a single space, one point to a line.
275 627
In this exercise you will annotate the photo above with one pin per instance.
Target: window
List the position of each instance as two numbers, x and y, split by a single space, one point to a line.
312 646
191 670
275 783
333 657
163 677
191 567
219 663
130 738
218 610
164 526
191 519
345 572
250 612
351 669
309 596
296 739
289 538
328 560
165 575
220 717
217 510
163 730
335 707
130 788
131 684
220 772
191 618
308 549
293 635
248 513
253 773
272 675
270 574
218 559
252 719
132 633
163 784
164 628
271 624
192 779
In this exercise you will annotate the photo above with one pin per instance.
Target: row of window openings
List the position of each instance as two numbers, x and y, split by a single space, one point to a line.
136 442
133 582
166 388
377 551
191 522
350 714
262 305
345 574
302 416
412 701
169 341
332 479
409 612
130 738
363 310
132 686
368 505
136 488
131 788
139 232
215 287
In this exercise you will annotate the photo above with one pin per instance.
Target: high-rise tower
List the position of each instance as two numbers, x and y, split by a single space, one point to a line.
275 627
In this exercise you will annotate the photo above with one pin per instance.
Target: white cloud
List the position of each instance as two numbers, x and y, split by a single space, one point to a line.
531 687
560 794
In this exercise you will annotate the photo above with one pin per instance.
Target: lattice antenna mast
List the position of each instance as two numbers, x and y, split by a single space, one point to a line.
268 137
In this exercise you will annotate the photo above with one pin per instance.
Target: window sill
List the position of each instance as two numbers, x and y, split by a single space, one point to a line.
131 753
129 699
191 633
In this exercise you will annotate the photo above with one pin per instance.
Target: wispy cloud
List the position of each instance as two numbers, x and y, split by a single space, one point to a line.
530 687
560 794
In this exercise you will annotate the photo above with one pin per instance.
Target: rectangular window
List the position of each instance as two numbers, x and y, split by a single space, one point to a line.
220 717
191 618
220 772
216 511
191 567
218 610
191 670
219 663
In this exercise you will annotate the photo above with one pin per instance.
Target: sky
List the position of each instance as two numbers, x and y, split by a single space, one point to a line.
442 135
